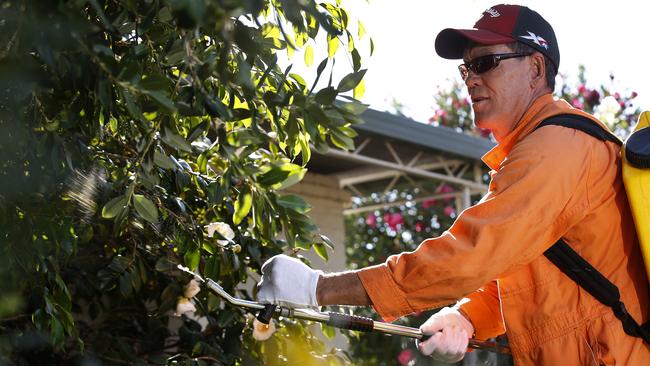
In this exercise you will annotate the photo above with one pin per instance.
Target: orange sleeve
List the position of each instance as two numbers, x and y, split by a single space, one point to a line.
534 197
483 309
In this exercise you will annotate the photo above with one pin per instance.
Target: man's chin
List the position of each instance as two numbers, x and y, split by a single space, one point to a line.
481 122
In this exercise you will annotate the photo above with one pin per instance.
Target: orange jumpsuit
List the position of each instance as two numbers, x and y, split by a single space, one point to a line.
547 183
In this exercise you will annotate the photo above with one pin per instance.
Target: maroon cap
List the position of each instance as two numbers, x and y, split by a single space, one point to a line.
502 24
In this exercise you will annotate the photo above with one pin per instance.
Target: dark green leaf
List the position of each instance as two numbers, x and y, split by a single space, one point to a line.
114 207
162 160
282 176
273 176
356 60
341 140
156 81
216 108
319 71
350 81
125 284
245 136
198 130
175 141
355 108
326 95
294 202
163 101
132 107
145 208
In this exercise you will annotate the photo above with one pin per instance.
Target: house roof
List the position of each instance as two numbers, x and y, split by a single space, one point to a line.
440 138
407 137
396 152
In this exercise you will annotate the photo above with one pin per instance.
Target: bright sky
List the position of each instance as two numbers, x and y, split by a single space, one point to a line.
606 36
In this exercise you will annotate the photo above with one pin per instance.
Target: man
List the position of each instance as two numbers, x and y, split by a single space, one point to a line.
547 183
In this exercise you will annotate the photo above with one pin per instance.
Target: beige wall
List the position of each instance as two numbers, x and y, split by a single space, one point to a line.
327 201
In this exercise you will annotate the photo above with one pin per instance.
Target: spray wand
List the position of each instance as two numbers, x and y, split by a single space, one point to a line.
337 320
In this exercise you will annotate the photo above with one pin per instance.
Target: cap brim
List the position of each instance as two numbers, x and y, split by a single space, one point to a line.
451 43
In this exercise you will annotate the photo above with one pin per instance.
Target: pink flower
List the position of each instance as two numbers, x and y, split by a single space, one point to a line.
582 89
485 133
405 357
395 220
419 227
593 97
440 116
622 104
446 189
576 103
429 203
371 220
617 96
449 210
633 95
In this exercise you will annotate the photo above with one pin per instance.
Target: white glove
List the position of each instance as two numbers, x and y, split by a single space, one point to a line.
288 282
451 332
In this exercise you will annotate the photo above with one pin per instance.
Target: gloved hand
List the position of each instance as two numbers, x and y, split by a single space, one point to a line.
288 282
451 332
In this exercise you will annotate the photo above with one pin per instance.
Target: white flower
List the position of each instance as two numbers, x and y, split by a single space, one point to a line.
223 229
191 289
261 331
607 109
183 306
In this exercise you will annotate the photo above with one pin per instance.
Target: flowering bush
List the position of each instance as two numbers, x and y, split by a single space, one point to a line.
614 108
454 110
374 235
138 135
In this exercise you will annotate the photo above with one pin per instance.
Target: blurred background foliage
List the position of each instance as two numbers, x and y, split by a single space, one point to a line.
127 127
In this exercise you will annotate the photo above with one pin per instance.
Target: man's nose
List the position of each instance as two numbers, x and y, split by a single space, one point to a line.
472 79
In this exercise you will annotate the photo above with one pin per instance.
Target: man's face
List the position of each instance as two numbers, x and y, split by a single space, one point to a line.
499 96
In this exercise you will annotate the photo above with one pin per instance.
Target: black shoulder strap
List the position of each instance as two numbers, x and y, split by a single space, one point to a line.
583 124
576 267
588 277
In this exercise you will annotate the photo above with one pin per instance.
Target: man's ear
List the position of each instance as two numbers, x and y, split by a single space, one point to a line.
538 69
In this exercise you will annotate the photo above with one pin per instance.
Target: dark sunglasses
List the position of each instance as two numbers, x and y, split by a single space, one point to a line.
485 63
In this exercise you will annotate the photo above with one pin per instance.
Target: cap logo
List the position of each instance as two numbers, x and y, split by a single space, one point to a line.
537 39
493 12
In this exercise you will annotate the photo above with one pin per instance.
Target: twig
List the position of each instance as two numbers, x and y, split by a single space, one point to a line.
12 318
14 37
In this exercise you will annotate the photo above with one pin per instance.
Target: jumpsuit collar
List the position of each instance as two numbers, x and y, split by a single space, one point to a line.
497 154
